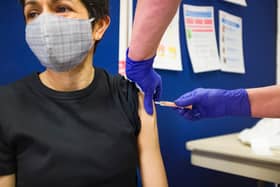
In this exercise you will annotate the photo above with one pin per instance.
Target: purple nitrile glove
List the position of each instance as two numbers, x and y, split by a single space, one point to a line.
143 74
213 103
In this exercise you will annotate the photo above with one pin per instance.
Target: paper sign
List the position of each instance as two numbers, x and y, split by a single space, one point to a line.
201 38
126 11
231 43
169 51
238 2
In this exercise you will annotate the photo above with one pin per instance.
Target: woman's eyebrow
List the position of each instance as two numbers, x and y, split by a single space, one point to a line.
56 1
30 2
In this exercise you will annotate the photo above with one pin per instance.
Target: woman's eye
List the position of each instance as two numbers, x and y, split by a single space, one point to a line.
62 9
32 15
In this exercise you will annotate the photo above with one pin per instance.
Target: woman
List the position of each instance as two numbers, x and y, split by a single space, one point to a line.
74 125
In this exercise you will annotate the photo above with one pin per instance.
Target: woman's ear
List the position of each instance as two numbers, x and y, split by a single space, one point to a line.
100 27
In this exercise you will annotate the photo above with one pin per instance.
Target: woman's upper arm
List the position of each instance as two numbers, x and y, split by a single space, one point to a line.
151 164
8 181
148 136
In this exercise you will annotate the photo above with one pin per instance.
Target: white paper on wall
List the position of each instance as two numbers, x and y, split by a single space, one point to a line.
201 38
125 27
238 2
231 43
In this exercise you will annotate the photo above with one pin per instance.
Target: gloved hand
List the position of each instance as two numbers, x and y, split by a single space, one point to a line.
212 103
143 74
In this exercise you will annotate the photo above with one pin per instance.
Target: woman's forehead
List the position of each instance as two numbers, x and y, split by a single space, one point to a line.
26 2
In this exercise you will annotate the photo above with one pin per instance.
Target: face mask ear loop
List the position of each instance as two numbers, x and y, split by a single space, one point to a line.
91 20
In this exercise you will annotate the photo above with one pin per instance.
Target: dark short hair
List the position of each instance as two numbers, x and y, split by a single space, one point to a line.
96 8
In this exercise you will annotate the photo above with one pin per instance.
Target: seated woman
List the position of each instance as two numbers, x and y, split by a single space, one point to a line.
74 125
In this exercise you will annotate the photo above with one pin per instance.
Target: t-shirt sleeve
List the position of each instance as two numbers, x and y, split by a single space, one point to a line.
127 93
7 157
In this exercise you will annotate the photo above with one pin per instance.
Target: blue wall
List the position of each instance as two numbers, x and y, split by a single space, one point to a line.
259 19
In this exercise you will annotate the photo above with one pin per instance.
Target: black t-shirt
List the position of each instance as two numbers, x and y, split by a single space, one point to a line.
86 138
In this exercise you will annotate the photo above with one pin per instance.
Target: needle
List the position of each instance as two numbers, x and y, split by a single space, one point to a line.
171 104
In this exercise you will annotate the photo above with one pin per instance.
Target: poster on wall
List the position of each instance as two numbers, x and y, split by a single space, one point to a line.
169 52
125 27
231 43
201 38
238 2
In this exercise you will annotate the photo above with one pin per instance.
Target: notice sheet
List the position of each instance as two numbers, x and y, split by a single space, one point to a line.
201 38
238 2
231 43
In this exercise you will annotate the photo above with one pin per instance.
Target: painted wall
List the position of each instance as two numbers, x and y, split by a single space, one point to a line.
259 35
259 18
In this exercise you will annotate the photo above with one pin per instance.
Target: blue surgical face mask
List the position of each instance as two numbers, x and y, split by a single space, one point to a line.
59 43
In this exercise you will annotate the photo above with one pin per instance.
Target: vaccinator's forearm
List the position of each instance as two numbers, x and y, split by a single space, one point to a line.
265 102
152 18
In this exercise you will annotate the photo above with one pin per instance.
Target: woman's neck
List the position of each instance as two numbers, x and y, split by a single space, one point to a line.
76 79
